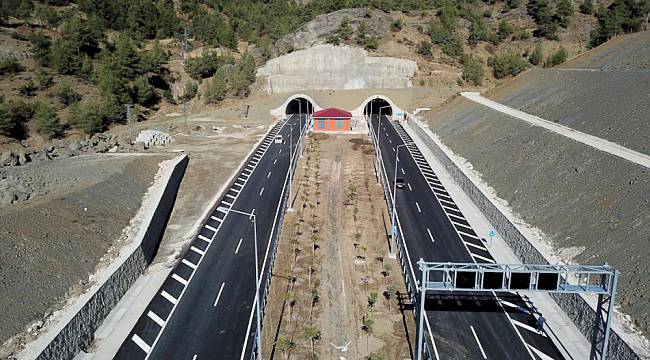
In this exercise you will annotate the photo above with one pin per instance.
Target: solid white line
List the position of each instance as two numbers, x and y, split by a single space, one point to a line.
482 258
143 345
589 140
514 306
197 250
435 348
168 296
261 191
216 218
238 245
188 263
431 236
418 206
478 342
210 227
179 279
155 318
527 327
219 294
410 188
205 239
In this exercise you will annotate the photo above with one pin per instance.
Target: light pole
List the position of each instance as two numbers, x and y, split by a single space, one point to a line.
394 228
257 277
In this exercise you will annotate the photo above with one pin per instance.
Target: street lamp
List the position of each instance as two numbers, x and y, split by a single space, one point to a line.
257 277
394 228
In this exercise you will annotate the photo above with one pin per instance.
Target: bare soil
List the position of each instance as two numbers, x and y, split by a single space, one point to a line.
332 263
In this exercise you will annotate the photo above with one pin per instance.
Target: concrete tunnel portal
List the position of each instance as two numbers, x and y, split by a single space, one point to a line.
378 106
299 105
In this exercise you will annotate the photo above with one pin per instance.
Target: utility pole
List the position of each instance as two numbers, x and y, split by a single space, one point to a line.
187 119
128 120
184 47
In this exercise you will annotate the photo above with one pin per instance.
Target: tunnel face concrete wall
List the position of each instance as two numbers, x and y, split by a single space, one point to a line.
397 112
337 68
280 111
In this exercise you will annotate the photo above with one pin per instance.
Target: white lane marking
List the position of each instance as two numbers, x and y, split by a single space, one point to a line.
169 297
403 173
390 141
155 318
525 326
539 353
393 149
514 306
269 175
280 151
418 206
205 239
478 342
261 191
431 236
241 178
238 245
194 357
483 258
458 224
227 203
235 190
188 263
456 216
219 294
435 348
179 279
230 196
210 228
474 245
449 208
447 201
252 167
143 345
466 234
410 188
274 161
252 213
197 250
216 218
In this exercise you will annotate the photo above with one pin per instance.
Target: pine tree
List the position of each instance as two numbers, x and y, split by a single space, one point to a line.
564 12
537 55
47 122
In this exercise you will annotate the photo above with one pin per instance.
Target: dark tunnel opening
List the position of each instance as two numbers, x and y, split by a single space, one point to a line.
299 106
376 106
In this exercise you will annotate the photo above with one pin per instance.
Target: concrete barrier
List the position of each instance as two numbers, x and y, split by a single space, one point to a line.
575 306
73 332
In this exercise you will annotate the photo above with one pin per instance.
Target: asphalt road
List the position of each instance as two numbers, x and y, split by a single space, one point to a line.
461 325
205 309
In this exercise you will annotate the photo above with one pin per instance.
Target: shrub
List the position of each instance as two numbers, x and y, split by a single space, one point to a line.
87 117
47 122
508 64
537 55
206 65
66 94
190 91
424 49
396 25
557 58
505 29
143 91
217 89
10 65
43 80
587 7
521 34
472 70
28 88
450 43
370 43
13 116
564 12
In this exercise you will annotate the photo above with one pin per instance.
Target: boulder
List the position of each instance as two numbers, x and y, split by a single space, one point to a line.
8 158
139 146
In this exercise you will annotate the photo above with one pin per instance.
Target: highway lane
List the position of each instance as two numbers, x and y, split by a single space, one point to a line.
205 308
463 325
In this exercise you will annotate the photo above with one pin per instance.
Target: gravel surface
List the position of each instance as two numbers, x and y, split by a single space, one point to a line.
590 204
54 241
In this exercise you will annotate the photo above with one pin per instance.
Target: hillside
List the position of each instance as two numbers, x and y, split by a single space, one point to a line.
69 68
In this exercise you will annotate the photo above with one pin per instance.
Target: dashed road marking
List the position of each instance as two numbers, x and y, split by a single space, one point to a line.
168 296
431 236
410 188
274 161
188 263
155 318
261 191
179 279
418 206
238 245
478 342
219 294
268 175
403 173
143 345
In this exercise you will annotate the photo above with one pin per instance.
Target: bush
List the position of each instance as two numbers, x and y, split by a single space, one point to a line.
521 34
556 58
143 92
587 7
47 122
370 43
424 49
43 80
13 116
621 17
450 43
66 94
477 31
87 117
190 91
206 65
508 64
217 89
396 25
472 70
537 55
10 65
28 89
505 29
564 12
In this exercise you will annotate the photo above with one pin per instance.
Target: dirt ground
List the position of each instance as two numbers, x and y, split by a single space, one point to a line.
333 281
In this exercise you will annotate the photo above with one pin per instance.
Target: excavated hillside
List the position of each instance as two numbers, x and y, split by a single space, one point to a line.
592 206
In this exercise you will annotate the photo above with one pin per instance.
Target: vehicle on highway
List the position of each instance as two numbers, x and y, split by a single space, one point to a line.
278 139
399 183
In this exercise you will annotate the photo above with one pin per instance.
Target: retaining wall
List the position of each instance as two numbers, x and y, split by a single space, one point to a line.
574 305
67 338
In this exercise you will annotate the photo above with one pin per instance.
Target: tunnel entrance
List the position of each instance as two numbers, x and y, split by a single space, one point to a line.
377 106
299 105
